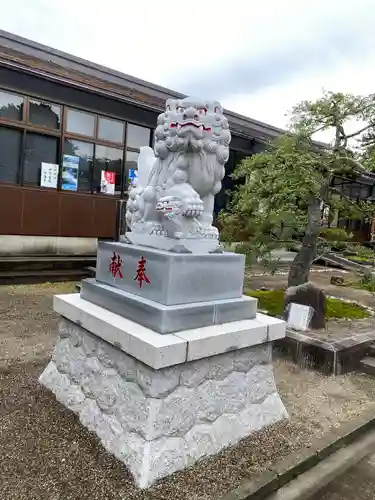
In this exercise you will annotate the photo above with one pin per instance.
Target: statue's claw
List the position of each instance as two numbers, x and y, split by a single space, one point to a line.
158 229
210 232
193 207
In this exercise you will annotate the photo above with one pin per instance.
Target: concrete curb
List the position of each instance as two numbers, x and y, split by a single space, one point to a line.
303 463
324 473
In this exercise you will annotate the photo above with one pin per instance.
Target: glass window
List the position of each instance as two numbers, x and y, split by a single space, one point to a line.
137 136
11 106
77 166
355 190
44 115
365 192
337 181
345 188
108 160
111 130
10 152
79 122
38 149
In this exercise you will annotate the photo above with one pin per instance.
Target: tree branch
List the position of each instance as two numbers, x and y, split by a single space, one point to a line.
352 160
325 125
360 131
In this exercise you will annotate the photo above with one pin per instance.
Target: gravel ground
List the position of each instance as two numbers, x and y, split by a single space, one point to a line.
46 454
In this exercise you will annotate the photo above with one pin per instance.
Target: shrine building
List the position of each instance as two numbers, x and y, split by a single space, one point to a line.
70 133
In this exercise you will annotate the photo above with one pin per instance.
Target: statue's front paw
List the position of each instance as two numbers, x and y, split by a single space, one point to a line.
210 232
158 230
193 207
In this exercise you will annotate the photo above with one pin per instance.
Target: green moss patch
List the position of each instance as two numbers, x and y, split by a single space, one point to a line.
358 258
273 302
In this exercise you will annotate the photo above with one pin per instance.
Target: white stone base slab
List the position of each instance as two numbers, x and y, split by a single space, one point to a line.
161 421
160 351
204 245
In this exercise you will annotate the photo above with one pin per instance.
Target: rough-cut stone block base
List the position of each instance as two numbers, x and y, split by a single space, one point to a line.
160 421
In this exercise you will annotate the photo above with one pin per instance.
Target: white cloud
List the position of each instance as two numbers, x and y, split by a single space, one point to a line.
264 57
274 103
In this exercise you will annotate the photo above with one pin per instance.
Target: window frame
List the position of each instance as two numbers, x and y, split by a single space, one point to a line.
108 141
23 154
53 131
75 134
23 118
62 134
133 150
141 126
91 171
120 193
19 174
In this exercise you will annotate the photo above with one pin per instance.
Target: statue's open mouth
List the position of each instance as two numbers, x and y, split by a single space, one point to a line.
164 209
200 126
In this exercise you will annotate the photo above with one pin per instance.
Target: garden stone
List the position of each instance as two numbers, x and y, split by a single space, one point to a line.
307 294
337 280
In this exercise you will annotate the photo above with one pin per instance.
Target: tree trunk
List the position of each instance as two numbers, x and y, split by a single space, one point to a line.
300 268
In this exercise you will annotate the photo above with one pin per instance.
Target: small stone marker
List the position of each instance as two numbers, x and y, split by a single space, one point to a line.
310 295
337 280
299 316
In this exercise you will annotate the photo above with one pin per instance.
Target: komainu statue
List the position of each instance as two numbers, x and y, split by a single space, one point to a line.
172 200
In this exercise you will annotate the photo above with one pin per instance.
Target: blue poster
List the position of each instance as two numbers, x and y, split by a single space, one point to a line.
69 175
133 175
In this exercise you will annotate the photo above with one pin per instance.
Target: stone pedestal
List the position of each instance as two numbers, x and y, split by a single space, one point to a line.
173 278
165 378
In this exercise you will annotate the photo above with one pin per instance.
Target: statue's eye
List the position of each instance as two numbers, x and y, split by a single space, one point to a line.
202 111
180 109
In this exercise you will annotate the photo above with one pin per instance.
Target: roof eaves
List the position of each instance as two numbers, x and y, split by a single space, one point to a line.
53 60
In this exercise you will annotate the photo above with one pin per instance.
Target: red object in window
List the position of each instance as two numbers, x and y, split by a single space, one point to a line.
110 177
115 265
141 272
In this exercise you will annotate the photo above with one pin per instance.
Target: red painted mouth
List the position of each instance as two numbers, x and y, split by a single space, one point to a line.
200 126
164 209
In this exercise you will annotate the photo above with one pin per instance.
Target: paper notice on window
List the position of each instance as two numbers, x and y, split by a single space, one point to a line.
49 174
107 184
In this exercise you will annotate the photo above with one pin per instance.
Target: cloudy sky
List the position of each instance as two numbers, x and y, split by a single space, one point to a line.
258 58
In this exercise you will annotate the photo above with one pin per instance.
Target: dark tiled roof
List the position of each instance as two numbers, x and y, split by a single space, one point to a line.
49 62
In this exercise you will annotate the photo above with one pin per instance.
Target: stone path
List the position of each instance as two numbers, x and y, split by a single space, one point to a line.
356 484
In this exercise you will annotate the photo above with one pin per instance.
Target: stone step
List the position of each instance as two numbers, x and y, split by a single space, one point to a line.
368 365
172 318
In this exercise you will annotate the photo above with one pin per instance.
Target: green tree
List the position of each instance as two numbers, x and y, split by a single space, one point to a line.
286 187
